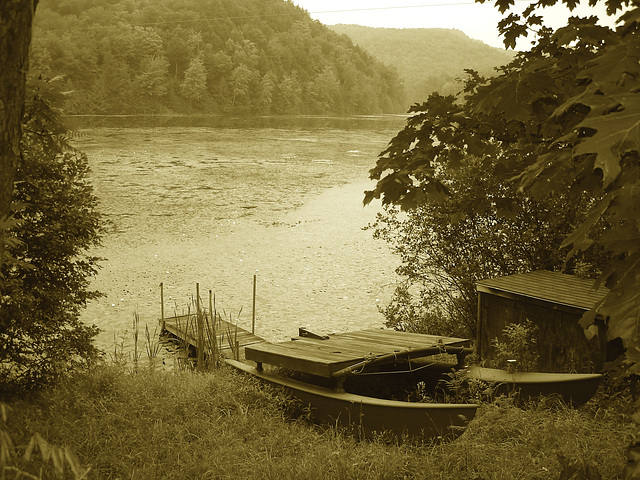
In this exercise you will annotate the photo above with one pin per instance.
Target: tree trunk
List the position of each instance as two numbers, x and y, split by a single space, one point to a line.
16 18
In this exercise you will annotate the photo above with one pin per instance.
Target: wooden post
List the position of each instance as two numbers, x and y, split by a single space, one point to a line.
200 347
213 329
479 331
162 323
253 315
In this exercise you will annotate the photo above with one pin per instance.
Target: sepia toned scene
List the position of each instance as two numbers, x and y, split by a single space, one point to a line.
312 239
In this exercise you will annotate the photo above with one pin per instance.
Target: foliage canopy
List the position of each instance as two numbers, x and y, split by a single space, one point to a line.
45 282
446 246
562 119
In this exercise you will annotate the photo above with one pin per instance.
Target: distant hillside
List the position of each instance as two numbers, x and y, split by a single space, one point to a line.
206 56
427 59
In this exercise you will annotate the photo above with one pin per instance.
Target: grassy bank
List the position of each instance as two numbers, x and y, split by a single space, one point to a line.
185 425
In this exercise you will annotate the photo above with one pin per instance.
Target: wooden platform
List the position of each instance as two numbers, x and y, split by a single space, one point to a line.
326 357
227 336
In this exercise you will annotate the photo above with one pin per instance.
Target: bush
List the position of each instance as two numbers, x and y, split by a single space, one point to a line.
44 286
517 352
447 244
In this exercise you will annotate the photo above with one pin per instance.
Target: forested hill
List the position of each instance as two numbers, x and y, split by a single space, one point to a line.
205 56
427 59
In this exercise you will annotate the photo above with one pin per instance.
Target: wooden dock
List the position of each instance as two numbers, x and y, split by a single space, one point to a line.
333 355
220 336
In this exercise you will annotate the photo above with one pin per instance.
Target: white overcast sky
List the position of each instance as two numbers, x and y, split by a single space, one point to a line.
478 21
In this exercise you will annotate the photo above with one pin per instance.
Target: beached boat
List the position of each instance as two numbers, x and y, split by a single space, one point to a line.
366 415
574 388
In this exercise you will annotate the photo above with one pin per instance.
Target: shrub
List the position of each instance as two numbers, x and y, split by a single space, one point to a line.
44 286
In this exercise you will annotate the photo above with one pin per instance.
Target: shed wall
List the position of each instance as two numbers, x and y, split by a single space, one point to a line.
561 343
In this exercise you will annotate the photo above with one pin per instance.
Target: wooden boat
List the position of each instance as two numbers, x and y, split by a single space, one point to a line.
574 388
366 415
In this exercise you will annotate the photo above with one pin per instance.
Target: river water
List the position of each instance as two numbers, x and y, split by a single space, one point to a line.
214 201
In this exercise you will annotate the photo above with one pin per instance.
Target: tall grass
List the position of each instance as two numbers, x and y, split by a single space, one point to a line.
209 331
187 424
134 418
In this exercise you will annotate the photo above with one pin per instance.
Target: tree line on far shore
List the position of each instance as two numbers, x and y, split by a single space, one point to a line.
200 56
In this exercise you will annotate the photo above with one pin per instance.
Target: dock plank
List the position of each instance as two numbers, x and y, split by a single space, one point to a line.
352 341
406 337
306 351
351 345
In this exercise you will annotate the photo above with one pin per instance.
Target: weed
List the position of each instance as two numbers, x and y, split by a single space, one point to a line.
52 457
517 352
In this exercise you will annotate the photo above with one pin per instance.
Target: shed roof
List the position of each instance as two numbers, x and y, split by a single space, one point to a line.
554 287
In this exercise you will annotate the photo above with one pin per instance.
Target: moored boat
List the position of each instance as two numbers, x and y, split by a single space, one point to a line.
574 388
367 416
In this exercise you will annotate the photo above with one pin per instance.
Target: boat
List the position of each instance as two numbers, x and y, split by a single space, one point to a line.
368 416
573 388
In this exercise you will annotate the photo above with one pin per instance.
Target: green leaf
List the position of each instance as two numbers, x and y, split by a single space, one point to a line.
7 450
29 450
592 97
57 457
43 446
74 463
588 317
534 20
616 134
369 195
625 328
503 5
591 331
579 238
621 239
613 65
630 19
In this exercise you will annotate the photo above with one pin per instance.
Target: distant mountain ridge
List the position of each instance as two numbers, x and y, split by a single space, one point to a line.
427 59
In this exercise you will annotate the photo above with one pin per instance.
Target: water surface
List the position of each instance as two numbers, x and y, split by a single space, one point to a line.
215 201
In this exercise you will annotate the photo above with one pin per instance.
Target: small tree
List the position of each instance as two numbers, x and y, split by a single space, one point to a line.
518 351
47 282
450 242
561 119
194 84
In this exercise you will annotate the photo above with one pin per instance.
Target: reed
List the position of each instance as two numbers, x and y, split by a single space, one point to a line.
201 332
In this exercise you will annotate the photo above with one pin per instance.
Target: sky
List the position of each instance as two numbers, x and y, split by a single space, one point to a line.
478 21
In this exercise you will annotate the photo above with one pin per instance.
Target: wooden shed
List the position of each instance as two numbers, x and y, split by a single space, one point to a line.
553 302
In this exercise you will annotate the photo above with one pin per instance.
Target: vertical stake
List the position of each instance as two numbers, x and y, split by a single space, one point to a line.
162 307
213 329
200 346
253 315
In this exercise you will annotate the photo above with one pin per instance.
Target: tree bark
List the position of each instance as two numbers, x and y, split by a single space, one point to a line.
16 19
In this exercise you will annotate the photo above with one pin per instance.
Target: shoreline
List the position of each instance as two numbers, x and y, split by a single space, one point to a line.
304 277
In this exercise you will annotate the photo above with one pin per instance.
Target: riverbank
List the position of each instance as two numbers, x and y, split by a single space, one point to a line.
180 424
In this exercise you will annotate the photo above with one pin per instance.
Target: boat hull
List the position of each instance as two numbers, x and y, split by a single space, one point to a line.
367 416
574 388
